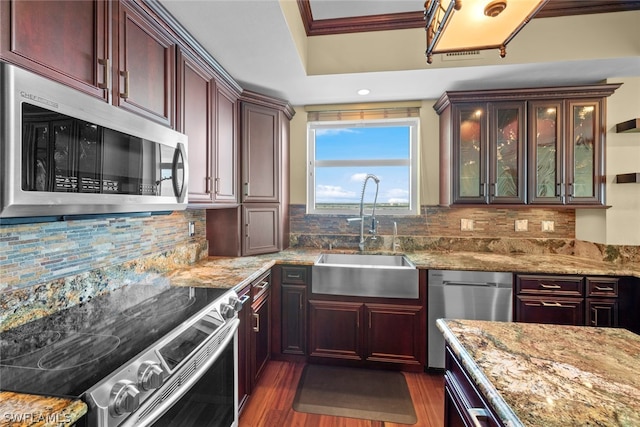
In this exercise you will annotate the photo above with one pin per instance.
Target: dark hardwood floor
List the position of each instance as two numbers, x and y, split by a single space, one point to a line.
271 401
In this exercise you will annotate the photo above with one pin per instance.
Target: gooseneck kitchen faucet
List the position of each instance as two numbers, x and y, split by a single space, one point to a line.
372 230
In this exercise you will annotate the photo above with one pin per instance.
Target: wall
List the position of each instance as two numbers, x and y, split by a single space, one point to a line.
51 266
619 224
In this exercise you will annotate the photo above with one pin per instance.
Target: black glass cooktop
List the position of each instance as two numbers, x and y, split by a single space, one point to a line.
67 353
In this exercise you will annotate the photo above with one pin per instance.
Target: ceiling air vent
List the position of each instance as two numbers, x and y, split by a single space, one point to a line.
459 56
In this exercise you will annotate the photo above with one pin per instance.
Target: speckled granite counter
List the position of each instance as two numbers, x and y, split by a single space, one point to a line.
230 272
29 410
550 375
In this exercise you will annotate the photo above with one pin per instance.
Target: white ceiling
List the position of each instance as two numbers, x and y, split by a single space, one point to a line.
327 9
250 39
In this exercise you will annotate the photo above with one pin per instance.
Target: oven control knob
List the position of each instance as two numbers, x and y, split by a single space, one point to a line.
125 398
227 311
235 303
150 376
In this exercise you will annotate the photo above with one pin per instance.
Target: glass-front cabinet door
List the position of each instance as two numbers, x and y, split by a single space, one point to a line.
545 152
520 147
506 152
584 152
489 153
469 154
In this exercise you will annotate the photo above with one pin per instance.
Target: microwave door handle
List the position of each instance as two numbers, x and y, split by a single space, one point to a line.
181 153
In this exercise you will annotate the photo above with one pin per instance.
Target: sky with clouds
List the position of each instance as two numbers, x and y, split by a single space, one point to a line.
336 184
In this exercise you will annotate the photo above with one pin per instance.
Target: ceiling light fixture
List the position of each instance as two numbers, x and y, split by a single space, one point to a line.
478 25
364 92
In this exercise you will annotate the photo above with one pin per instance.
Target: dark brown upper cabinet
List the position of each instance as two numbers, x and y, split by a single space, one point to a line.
519 147
207 113
144 73
226 162
196 119
487 151
108 49
261 154
566 152
67 41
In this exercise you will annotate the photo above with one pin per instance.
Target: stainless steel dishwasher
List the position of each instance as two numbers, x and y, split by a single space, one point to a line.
475 295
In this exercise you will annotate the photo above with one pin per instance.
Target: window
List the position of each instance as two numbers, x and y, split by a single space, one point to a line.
341 155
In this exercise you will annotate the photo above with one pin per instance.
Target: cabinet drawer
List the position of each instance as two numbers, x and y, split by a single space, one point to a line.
602 287
550 285
260 286
550 309
294 275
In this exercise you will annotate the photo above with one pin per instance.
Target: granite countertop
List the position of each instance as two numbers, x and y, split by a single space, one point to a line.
237 272
551 375
19 409
227 272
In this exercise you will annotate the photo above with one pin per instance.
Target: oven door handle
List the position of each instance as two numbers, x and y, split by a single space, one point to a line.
166 404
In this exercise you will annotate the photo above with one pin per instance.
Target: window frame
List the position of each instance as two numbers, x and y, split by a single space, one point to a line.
413 123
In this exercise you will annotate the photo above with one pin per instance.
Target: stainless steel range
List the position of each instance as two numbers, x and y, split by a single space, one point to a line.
141 355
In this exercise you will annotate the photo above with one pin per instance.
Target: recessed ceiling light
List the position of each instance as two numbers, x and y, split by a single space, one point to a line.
364 92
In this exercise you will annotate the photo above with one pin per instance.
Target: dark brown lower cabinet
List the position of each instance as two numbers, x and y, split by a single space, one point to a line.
335 330
602 312
393 334
244 386
463 404
604 301
294 319
550 309
260 327
369 333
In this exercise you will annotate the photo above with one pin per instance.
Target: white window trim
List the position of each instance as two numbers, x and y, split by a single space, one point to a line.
414 137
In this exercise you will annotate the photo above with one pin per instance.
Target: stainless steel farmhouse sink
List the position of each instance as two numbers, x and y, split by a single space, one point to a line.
366 275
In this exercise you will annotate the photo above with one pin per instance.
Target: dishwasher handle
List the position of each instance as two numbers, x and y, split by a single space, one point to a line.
483 284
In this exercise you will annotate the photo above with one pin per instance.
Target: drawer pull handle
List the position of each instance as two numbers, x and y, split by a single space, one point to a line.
554 304
262 285
546 286
256 317
244 299
476 413
604 288
293 276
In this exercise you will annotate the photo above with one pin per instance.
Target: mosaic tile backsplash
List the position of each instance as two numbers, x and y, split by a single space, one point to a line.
36 253
440 229
434 227
48 267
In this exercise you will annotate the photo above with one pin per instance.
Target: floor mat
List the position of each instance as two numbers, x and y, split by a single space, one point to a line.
355 393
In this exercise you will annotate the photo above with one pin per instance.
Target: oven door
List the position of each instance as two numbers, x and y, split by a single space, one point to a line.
208 398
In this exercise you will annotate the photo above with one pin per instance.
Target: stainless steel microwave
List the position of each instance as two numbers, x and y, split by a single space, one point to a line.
64 153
